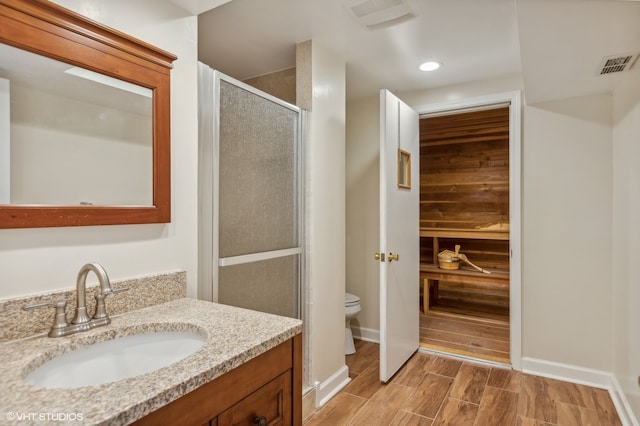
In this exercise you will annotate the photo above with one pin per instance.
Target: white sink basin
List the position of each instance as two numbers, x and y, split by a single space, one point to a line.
116 359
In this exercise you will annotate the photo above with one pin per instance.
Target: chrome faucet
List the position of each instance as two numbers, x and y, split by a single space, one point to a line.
81 320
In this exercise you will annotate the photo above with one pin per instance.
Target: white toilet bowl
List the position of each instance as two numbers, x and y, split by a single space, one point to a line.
351 309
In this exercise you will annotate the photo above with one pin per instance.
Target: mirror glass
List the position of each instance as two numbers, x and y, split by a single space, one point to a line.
70 136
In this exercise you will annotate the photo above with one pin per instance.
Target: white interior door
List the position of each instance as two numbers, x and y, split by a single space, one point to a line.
399 234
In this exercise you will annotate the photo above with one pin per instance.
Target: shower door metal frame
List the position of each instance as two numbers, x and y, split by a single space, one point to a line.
211 281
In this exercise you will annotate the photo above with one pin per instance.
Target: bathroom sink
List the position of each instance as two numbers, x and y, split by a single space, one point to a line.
116 359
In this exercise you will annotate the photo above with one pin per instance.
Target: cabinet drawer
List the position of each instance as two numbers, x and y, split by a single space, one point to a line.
272 401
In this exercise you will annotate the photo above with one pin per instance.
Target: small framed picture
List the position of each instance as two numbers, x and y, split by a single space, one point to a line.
404 169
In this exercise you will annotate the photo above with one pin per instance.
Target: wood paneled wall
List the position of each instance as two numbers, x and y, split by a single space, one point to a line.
464 185
464 170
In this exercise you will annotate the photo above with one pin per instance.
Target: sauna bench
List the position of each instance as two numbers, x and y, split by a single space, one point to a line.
475 234
430 275
249 360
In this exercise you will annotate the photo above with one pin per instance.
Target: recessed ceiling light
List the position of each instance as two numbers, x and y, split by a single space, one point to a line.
430 66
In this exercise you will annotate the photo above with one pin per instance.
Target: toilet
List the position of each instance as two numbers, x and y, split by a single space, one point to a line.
351 309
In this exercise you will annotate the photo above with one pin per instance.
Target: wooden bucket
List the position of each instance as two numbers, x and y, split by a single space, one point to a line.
448 260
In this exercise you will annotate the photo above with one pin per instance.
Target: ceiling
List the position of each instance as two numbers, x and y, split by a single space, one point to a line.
563 42
555 44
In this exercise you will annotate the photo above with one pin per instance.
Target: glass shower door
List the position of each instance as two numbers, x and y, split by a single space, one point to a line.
256 199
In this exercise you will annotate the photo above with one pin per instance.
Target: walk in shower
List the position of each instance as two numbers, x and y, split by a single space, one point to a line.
250 197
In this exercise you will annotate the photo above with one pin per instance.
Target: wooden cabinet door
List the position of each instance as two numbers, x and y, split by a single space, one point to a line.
271 402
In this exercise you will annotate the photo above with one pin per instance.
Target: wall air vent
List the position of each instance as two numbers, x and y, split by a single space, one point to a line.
375 14
618 63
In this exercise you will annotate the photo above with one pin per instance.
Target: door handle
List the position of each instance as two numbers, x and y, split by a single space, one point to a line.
393 257
379 256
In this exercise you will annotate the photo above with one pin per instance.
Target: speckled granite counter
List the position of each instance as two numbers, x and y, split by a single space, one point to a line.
233 335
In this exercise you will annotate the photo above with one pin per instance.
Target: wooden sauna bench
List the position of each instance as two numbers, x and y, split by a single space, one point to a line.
431 274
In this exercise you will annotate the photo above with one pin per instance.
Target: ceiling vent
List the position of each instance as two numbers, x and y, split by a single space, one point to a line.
375 14
618 63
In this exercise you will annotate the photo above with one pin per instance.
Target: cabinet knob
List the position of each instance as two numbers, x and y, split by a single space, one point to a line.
260 421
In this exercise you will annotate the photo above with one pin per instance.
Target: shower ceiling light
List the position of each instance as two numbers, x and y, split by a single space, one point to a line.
430 66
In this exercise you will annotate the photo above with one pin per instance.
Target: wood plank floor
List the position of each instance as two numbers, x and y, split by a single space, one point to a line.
436 390
470 309
475 336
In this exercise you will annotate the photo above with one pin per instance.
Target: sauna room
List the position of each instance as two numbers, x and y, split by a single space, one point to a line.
464 233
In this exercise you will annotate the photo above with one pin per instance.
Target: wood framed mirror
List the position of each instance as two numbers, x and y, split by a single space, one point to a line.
44 31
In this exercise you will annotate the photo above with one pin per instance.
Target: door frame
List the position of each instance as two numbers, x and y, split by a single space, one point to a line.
514 98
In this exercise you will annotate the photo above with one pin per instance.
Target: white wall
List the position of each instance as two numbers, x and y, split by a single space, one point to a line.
325 198
566 250
37 260
363 212
5 142
467 90
626 237
567 178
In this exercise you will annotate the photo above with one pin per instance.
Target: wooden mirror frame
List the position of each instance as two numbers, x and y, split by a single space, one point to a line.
47 29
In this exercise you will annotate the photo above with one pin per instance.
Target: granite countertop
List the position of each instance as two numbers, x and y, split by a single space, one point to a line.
233 336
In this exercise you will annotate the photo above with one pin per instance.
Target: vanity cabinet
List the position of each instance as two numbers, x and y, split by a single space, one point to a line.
266 390
270 404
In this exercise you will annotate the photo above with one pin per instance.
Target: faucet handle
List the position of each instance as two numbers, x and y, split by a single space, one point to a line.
59 318
115 290
101 310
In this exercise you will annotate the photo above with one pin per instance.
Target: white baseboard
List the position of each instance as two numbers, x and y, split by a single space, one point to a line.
566 372
584 376
627 417
330 387
367 334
